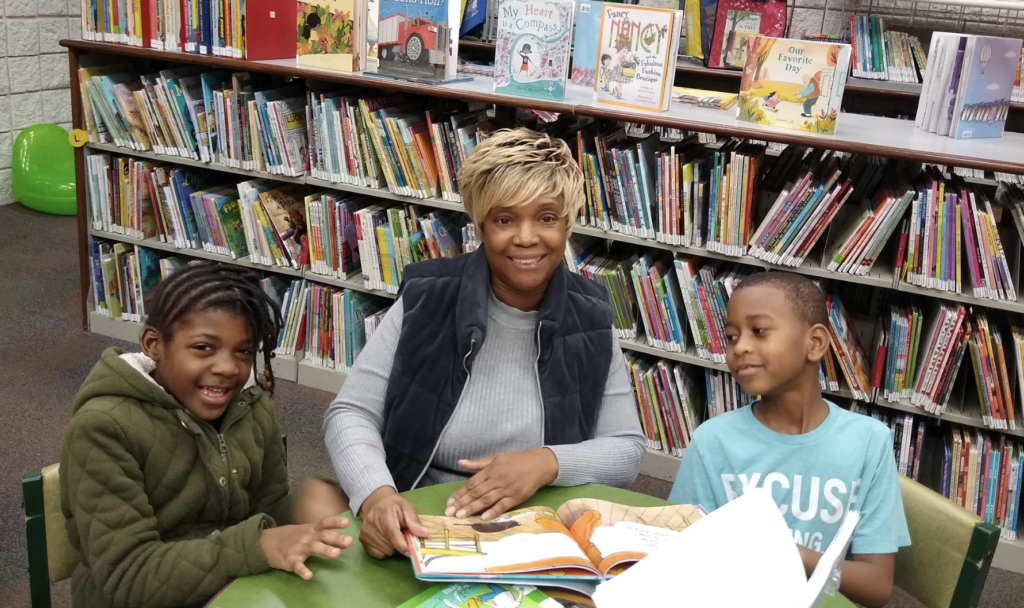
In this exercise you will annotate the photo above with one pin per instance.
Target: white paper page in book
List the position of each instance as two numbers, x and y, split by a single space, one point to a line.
821 583
634 57
613 534
531 57
738 556
526 540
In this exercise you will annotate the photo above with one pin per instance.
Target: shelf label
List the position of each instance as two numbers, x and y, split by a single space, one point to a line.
78 137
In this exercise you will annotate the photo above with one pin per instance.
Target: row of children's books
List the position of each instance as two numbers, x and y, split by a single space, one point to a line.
966 92
338 322
124 275
673 399
977 471
952 225
884 54
337 235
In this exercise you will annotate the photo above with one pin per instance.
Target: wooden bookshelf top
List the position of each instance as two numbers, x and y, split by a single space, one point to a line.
855 133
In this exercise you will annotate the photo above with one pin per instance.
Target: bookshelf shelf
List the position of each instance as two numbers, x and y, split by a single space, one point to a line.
855 133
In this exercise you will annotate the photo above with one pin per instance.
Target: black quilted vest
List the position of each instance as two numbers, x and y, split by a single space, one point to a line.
443 327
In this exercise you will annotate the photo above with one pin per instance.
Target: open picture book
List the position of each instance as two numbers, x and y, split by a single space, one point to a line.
576 546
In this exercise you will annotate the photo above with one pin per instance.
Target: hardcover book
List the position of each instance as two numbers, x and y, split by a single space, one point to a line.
793 84
531 57
986 86
415 39
576 546
636 56
332 34
584 46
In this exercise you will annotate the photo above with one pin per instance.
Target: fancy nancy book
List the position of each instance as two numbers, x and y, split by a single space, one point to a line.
636 56
576 546
531 57
793 84
332 34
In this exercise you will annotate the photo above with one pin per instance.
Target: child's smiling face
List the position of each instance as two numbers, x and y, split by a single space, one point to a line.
205 362
768 345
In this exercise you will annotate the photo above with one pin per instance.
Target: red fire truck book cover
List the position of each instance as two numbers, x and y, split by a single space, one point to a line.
413 37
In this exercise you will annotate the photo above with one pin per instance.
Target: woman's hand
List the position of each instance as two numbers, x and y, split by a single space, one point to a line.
386 516
317 499
287 547
502 481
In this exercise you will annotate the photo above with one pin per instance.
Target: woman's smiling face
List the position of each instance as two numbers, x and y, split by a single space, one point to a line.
524 246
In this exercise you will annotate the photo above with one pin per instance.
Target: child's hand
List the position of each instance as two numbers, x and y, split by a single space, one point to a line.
317 499
287 547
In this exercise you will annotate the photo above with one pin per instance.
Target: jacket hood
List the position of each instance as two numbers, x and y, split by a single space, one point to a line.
128 375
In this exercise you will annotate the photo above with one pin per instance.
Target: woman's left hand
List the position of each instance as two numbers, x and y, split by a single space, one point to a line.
501 482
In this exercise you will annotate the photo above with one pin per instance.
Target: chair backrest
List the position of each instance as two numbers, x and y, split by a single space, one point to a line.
51 558
950 553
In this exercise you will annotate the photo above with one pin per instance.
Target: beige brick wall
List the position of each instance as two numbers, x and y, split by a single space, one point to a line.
33 71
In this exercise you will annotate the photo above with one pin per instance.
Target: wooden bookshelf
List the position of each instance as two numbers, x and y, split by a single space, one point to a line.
855 134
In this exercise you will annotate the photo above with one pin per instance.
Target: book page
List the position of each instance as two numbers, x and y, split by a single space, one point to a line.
532 539
613 535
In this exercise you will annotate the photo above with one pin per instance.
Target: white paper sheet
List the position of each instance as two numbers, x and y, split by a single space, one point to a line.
740 555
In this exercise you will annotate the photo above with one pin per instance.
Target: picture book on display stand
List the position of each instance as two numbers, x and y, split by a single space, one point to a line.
416 40
636 56
332 34
795 84
531 57
584 46
735 22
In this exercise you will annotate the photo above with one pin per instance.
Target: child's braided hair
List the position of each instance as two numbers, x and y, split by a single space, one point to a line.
216 286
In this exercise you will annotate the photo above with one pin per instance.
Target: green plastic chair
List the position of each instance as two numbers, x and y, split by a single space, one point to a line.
951 550
51 558
43 175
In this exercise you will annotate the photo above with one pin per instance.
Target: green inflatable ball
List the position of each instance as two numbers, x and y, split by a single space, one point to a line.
43 176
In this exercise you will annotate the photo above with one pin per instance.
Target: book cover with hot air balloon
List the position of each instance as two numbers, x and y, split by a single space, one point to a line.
990 68
794 84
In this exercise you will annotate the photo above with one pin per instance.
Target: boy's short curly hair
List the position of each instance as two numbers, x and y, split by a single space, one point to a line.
806 298
513 167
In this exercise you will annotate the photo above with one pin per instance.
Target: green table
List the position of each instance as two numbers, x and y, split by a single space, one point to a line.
357 580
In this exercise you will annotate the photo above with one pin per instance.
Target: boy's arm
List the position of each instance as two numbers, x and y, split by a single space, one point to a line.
103 493
867 576
693 484
270 496
866 579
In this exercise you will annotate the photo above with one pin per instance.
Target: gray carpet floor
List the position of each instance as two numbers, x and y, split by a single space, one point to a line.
45 355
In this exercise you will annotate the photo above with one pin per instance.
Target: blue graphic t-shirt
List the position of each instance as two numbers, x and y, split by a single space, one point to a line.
845 464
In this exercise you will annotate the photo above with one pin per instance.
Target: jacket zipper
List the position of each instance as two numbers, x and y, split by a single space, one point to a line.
540 390
447 424
223 446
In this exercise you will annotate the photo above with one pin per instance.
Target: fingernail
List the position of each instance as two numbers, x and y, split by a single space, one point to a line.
486 515
460 513
449 511
335 552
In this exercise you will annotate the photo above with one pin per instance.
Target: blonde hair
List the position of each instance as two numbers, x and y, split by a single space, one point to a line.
513 167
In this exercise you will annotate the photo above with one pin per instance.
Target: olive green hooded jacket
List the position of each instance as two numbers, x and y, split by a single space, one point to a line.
162 508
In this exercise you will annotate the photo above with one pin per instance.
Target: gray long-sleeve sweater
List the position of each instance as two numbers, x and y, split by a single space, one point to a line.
500 410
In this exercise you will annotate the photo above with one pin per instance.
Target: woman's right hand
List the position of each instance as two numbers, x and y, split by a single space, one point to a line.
287 547
386 516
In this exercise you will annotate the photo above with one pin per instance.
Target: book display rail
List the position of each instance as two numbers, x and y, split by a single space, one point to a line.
855 134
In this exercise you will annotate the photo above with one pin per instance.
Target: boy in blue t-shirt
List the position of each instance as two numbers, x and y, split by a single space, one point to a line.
819 460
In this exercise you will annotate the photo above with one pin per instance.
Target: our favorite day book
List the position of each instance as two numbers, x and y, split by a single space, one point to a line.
576 546
794 84
636 56
331 34
531 57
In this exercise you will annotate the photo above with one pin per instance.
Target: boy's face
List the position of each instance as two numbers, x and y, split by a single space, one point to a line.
525 244
206 361
768 346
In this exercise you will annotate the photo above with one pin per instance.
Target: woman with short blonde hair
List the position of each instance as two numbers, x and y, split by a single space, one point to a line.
500 366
